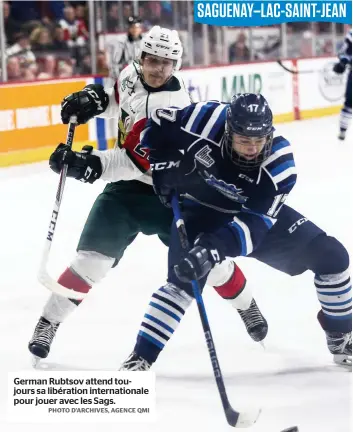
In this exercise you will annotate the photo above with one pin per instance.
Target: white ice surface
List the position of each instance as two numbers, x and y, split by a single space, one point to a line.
294 380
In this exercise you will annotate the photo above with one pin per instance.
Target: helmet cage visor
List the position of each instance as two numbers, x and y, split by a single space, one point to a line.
247 151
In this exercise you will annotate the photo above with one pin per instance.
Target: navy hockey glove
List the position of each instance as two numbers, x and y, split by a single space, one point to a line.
85 104
339 67
162 186
81 165
198 262
164 194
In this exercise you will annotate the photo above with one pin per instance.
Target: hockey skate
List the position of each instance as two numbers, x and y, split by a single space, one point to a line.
135 363
255 323
42 338
340 345
342 135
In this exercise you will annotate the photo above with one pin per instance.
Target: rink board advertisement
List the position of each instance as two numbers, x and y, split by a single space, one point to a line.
221 83
30 125
320 87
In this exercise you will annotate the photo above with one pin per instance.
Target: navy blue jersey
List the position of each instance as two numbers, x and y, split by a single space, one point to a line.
345 53
186 154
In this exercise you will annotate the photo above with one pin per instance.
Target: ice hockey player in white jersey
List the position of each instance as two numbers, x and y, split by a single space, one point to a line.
128 205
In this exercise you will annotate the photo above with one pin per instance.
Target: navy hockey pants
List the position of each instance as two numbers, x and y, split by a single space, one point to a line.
286 247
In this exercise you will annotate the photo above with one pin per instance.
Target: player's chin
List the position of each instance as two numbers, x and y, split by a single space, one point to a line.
249 157
156 81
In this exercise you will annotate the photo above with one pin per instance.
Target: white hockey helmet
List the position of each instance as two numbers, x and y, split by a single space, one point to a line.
164 43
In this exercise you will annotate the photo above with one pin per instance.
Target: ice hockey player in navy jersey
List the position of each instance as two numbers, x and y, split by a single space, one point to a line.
232 182
190 154
232 178
345 61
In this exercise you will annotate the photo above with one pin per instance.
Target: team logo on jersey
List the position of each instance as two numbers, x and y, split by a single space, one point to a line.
126 83
203 156
226 189
123 127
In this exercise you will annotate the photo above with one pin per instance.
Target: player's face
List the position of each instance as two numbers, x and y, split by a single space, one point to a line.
156 70
248 147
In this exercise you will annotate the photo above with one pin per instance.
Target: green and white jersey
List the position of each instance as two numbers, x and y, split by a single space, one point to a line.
131 102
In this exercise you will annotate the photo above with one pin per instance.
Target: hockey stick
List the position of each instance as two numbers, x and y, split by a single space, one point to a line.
43 275
234 418
297 72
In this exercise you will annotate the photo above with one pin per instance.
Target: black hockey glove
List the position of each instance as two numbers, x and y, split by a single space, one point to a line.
164 194
85 104
198 262
201 259
81 165
339 67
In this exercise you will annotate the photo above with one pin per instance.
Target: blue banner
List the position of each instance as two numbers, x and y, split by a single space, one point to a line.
262 13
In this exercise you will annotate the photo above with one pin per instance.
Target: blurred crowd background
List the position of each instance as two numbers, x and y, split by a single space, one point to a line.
60 39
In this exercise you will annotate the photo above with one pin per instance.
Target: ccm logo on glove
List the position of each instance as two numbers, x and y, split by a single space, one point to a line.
83 166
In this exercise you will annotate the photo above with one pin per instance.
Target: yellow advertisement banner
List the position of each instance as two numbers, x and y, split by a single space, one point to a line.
30 123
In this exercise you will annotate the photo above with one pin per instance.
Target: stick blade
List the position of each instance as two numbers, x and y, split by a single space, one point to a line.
242 419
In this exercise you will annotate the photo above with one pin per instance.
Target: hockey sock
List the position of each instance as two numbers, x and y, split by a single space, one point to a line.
345 118
334 292
57 307
164 313
70 279
235 290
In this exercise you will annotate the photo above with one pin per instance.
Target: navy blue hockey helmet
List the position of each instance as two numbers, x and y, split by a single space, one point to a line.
249 130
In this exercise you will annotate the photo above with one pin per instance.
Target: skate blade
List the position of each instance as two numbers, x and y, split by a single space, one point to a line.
38 364
343 361
262 343
35 362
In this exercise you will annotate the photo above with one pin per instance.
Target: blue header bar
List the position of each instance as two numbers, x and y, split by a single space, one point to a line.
262 13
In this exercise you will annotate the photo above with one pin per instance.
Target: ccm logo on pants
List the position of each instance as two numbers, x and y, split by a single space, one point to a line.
297 224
